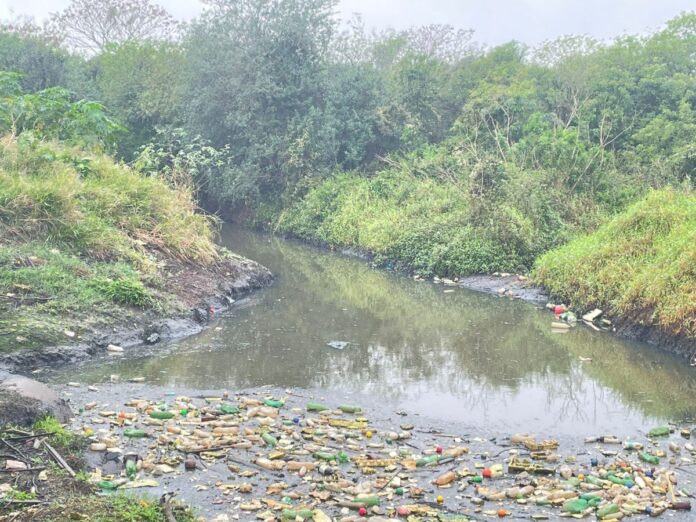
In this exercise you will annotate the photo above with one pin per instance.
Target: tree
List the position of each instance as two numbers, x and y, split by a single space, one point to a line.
88 26
52 114
25 50
138 81
255 80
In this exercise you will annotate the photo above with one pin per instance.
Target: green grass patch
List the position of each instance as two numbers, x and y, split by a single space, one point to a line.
61 437
641 265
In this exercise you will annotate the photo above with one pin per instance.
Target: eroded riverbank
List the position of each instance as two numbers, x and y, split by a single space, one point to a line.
203 292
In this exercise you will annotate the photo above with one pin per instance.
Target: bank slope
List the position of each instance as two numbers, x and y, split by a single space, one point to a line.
89 247
640 267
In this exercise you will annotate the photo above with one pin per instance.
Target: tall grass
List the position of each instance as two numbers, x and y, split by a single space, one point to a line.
441 227
92 205
83 238
640 265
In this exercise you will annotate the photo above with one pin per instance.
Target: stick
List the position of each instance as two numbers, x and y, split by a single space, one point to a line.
166 502
59 459
25 502
16 450
22 470
30 436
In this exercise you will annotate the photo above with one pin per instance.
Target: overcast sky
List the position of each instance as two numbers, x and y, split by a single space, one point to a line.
494 21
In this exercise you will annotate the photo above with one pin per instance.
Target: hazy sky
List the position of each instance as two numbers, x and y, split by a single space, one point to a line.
494 21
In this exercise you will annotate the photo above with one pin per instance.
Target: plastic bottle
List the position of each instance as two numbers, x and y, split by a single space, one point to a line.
647 457
346 408
161 415
269 439
228 409
294 514
131 469
107 485
575 506
607 510
367 501
427 461
133 433
445 479
274 403
324 455
315 406
661 431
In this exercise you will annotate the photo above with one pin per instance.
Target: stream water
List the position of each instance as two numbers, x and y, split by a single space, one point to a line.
462 357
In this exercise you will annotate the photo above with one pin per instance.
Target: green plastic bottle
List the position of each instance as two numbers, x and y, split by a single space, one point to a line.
273 403
346 408
293 514
107 485
575 506
607 510
661 431
131 469
368 501
229 410
133 433
425 461
324 455
161 415
315 406
595 481
647 457
269 439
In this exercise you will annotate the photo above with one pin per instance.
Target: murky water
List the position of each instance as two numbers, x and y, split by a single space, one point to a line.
474 359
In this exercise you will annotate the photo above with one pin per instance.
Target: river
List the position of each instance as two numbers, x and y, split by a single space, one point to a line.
451 356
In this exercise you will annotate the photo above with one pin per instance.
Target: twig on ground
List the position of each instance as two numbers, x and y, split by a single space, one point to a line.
60 460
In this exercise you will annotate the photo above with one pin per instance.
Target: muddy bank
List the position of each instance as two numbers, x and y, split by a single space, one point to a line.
23 401
201 293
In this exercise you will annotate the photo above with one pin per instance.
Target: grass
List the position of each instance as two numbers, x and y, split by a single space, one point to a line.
82 236
123 508
61 437
641 265
74 498
410 216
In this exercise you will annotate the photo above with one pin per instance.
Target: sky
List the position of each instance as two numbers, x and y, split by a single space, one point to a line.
494 21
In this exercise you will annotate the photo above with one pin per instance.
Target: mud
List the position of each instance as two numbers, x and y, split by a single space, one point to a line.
23 401
515 286
208 291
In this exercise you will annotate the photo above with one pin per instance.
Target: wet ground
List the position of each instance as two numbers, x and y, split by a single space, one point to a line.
449 354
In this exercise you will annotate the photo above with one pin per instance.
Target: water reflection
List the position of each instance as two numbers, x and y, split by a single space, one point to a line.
459 355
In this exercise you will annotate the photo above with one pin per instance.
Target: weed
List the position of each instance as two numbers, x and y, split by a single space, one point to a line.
640 264
61 437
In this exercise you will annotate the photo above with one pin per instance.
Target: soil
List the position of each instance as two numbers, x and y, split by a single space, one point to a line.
201 293
24 401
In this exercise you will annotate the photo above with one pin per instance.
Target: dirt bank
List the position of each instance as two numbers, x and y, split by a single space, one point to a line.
201 292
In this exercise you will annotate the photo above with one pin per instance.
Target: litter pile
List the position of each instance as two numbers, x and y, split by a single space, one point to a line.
24 461
288 458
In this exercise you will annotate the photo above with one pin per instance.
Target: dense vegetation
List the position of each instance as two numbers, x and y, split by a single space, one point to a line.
433 152
80 235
